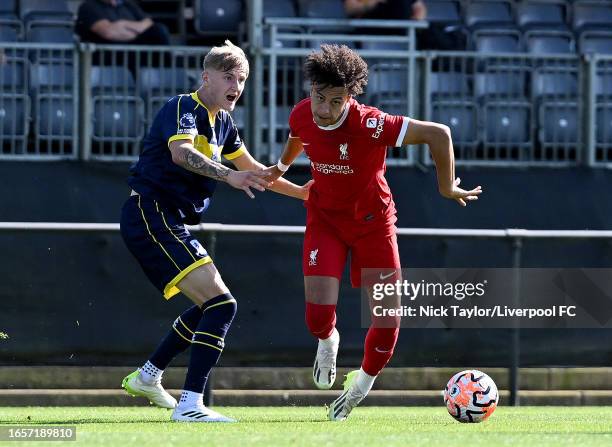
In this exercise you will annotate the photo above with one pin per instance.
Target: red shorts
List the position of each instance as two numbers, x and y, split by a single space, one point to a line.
372 245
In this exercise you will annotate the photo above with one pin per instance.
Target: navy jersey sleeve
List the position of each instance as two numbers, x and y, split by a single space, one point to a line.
179 121
233 147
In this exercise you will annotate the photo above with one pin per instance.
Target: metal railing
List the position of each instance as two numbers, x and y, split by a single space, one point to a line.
515 236
39 101
505 109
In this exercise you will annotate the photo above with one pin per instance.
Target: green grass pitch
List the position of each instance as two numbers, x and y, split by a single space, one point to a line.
307 426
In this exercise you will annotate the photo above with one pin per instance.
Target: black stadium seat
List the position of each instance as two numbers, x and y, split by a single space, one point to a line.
14 102
279 8
448 85
497 41
30 10
592 15
550 82
118 115
507 124
507 83
559 124
461 117
603 123
444 11
51 88
10 30
157 85
8 9
596 42
489 14
216 17
549 42
541 14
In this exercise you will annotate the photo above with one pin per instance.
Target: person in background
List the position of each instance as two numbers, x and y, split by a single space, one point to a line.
118 21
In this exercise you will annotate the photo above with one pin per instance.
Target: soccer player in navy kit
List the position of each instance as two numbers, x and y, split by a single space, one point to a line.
172 184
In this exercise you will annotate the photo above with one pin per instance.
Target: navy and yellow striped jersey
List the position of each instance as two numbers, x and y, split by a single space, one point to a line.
156 176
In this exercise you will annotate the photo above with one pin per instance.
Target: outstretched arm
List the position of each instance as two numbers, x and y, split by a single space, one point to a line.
293 148
187 157
247 162
438 138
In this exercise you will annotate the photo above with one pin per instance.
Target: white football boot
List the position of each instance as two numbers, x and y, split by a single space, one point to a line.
198 413
324 369
340 409
157 395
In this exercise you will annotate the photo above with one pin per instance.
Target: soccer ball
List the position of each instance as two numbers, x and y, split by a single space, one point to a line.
471 396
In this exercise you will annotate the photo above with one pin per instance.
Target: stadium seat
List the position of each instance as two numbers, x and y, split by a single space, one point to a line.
444 11
596 42
448 85
461 117
49 76
8 8
603 84
118 118
507 83
387 81
279 8
488 14
592 15
603 123
14 76
50 32
157 85
14 116
217 17
51 87
30 10
559 124
10 30
497 41
507 124
118 115
117 79
14 101
54 116
549 42
532 14
560 83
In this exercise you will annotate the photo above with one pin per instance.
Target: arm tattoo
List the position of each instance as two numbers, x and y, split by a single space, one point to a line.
199 164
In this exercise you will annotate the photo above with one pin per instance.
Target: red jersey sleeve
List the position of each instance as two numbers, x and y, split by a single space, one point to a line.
383 129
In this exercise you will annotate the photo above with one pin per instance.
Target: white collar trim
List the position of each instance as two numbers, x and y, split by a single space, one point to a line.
340 121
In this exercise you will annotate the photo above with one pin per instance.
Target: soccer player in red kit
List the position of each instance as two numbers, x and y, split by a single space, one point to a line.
350 208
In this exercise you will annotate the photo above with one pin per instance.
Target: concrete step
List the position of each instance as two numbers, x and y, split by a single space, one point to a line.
116 397
46 377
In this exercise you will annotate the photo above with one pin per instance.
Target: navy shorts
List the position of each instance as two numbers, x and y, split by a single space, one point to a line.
158 239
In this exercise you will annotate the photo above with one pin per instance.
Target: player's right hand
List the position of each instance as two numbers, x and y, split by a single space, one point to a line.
246 180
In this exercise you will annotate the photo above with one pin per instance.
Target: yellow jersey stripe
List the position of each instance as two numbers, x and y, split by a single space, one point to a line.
175 236
182 136
153 237
210 335
237 153
178 114
182 336
207 344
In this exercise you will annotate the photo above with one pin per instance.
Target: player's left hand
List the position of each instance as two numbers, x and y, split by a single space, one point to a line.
461 195
306 189
273 173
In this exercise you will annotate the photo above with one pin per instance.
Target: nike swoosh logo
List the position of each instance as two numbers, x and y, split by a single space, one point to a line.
383 277
381 350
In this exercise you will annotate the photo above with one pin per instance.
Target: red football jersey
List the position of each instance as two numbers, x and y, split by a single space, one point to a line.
347 159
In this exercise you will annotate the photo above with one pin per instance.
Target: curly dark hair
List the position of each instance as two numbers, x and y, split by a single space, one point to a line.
337 66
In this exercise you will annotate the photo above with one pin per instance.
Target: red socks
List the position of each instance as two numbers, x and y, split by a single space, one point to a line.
320 319
379 345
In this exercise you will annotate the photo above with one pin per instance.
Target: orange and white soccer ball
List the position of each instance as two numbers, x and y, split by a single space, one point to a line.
471 396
